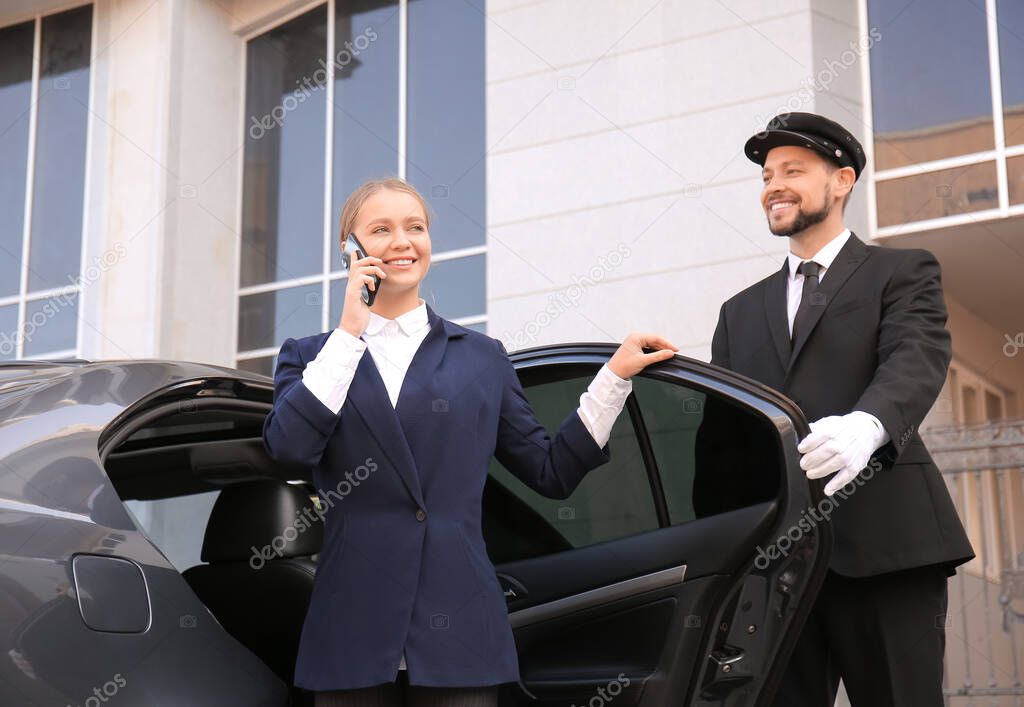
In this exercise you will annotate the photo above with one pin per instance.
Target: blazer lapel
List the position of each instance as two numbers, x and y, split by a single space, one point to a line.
389 424
853 253
775 311
370 398
414 397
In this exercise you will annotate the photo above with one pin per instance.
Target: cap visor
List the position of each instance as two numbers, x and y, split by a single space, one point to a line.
757 147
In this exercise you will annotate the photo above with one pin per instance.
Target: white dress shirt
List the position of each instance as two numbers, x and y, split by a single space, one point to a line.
824 258
393 343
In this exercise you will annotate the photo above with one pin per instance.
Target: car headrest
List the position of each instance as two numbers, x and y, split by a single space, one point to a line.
279 520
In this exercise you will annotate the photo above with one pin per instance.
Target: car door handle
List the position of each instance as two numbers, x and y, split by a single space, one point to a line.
512 588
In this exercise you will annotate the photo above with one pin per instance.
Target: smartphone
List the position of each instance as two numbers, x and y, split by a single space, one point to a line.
354 249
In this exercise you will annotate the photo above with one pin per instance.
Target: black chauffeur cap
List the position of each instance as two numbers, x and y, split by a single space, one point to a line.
816 132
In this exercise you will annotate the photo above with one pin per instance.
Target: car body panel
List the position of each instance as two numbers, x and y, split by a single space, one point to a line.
57 503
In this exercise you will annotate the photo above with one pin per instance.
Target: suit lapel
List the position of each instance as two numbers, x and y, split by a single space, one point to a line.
775 311
370 399
415 397
850 257
388 424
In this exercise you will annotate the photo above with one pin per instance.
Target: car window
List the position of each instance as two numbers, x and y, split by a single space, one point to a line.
713 455
176 525
613 501
710 455
672 415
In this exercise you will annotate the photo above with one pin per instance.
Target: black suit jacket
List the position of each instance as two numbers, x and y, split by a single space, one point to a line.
877 342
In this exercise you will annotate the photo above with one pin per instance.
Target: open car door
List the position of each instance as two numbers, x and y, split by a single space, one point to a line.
680 572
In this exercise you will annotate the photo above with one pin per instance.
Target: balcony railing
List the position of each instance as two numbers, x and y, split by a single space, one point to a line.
983 465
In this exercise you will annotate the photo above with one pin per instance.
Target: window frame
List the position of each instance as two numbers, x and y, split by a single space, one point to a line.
23 299
998 155
328 276
686 373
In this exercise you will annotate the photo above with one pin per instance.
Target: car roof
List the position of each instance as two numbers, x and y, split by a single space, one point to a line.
30 387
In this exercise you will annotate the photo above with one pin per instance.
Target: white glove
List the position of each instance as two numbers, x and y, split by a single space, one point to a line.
842 445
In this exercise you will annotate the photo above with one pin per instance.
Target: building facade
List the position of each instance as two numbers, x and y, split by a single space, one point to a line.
172 174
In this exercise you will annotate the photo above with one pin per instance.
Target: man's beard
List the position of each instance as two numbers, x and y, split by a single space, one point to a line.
804 219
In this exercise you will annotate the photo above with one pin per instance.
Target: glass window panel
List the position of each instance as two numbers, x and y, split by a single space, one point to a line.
50 324
456 288
15 99
702 475
365 95
55 246
268 318
337 301
446 127
672 415
8 332
942 193
1015 179
283 182
176 525
930 88
612 501
264 365
1010 14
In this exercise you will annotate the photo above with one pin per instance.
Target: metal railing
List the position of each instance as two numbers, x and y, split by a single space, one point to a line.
982 466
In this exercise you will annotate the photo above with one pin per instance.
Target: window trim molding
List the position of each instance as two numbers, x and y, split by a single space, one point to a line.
999 154
274 19
663 579
24 297
327 276
38 15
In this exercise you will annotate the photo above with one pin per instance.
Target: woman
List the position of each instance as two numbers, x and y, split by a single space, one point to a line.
406 607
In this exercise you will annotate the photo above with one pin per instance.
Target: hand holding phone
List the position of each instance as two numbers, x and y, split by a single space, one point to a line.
364 272
354 250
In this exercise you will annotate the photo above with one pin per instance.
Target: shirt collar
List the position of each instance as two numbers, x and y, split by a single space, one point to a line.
823 257
409 323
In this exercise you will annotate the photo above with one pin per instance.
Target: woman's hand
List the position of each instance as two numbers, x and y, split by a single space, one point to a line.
630 358
355 315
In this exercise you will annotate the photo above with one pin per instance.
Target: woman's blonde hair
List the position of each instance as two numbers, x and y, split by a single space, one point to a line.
355 201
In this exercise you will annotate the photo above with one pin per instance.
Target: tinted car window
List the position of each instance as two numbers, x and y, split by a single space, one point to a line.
712 455
612 501
709 455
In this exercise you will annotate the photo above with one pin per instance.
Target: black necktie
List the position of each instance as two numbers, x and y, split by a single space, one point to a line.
809 269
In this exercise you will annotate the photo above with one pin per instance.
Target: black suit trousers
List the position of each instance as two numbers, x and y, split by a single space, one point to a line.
884 635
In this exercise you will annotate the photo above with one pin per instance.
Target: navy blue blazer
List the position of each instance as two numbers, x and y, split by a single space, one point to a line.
404 564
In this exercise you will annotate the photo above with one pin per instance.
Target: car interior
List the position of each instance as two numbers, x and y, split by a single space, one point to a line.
198 483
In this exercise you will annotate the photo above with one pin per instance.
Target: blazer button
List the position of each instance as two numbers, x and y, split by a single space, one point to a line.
421 514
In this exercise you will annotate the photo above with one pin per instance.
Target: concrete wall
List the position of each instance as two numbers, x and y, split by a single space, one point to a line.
619 197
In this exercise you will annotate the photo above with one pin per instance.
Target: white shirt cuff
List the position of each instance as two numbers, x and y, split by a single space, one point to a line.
602 402
330 374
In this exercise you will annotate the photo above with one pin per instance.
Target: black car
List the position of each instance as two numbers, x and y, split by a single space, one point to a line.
138 512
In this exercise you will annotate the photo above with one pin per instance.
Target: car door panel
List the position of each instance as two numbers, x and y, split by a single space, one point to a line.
713 545
685 613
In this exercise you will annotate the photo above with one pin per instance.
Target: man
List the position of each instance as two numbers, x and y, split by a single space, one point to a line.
856 336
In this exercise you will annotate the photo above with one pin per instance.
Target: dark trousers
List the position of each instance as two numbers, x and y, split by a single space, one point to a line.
401 694
885 636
